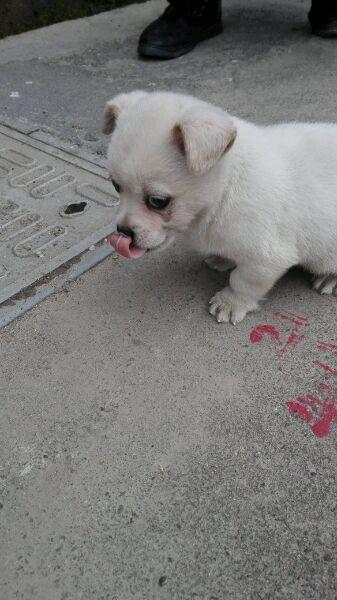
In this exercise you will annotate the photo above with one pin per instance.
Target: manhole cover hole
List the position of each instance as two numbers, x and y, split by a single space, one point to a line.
53 206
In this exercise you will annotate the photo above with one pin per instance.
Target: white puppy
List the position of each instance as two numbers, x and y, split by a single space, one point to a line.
259 199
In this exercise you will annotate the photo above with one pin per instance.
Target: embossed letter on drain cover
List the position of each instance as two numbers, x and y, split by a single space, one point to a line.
53 206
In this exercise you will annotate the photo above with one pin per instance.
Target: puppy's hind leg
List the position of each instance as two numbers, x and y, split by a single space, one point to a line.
217 263
326 284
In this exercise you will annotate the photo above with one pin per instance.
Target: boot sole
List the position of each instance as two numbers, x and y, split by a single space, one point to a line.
165 52
327 31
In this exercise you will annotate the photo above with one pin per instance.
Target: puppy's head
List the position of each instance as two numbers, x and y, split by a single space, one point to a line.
162 158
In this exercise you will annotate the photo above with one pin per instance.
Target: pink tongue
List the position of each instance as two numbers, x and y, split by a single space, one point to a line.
122 244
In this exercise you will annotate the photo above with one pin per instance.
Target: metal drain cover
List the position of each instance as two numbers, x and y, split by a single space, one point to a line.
53 206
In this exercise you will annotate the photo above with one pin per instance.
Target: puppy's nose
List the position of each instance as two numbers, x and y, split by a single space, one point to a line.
126 231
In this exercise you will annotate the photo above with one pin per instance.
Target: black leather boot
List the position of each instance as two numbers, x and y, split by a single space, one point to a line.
180 28
323 18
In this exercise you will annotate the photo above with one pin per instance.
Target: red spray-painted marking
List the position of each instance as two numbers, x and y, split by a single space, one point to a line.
327 416
310 400
328 370
259 332
302 317
327 346
296 319
325 411
319 414
294 337
300 411
327 387
292 340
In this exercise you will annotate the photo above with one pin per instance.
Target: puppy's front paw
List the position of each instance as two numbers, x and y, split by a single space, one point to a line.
226 306
326 284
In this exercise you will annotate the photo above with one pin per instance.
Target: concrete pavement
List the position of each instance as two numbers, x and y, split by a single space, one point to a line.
148 452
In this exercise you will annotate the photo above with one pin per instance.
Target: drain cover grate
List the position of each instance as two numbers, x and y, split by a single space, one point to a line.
53 206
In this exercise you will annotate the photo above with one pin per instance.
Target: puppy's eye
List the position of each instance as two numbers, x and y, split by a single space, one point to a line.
116 186
156 202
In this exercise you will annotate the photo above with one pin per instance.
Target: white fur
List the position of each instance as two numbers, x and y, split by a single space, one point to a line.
264 198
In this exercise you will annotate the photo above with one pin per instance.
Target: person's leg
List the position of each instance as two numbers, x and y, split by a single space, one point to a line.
323 18
180 28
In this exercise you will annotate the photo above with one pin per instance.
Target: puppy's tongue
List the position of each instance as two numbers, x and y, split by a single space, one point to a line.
123 245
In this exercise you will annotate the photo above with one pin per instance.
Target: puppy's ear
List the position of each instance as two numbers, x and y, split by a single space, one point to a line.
116 106
203 136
